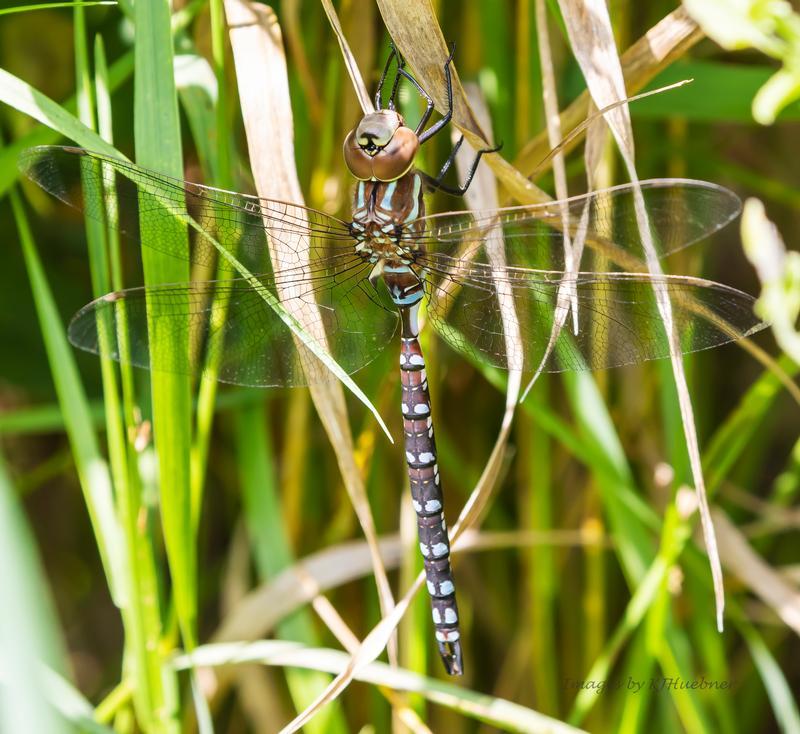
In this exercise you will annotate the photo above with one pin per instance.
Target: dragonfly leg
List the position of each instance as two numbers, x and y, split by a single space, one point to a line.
436 183
448 81
402 71
379 91
426 493
449 162
429 104
398 74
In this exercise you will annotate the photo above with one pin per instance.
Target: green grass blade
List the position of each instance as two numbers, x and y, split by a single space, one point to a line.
69 702
783 699
152 688
18 91
89 462
50 6
158 146
28 633
538 514
22 96
272 551
204 103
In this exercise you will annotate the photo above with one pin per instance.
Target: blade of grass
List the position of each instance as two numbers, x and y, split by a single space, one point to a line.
632 521
38 419
25 98
142 614
483 196
712 658
784 703
50 6
744 562
92 469
665 642
205 104
118 73
29 635
592 40
349 60
158 146
70 703
258 55
271 549
666 41
496 711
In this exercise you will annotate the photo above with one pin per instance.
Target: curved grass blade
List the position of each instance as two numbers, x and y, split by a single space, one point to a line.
258 54
119 72
784 702
51 6
349 59
92 469
592 40
494 711
665 42
28 631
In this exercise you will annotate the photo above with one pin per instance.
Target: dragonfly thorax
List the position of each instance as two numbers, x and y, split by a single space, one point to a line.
386 218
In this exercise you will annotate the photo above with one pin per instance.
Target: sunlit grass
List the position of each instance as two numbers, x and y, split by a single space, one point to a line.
202 501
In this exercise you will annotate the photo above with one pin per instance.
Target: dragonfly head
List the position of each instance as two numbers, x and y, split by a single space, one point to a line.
381 147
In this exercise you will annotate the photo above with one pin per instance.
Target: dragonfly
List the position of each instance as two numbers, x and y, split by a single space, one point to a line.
297 282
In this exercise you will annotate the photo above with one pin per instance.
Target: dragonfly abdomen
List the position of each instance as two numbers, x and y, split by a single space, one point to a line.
426 494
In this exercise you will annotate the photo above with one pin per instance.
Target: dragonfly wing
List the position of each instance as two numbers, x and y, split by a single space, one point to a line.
619 319
237 222
680 212
230 323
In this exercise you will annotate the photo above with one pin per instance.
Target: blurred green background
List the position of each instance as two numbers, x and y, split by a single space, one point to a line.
592 573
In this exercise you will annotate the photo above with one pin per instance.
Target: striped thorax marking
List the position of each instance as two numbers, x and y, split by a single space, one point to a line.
382 213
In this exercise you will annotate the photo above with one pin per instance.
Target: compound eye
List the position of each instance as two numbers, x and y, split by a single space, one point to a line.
358 162
376 129
397 156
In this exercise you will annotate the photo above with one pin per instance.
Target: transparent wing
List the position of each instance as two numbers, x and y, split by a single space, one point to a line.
306 259
619 321
238 222
680 212
229 322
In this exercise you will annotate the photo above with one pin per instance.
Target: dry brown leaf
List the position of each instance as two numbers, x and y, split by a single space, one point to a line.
257 693
266 110
359 87
665 42
263 608
592 40
753 571
500 712
256 614
482 196
408 22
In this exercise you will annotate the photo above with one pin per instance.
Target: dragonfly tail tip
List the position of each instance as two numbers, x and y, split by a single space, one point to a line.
451 657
